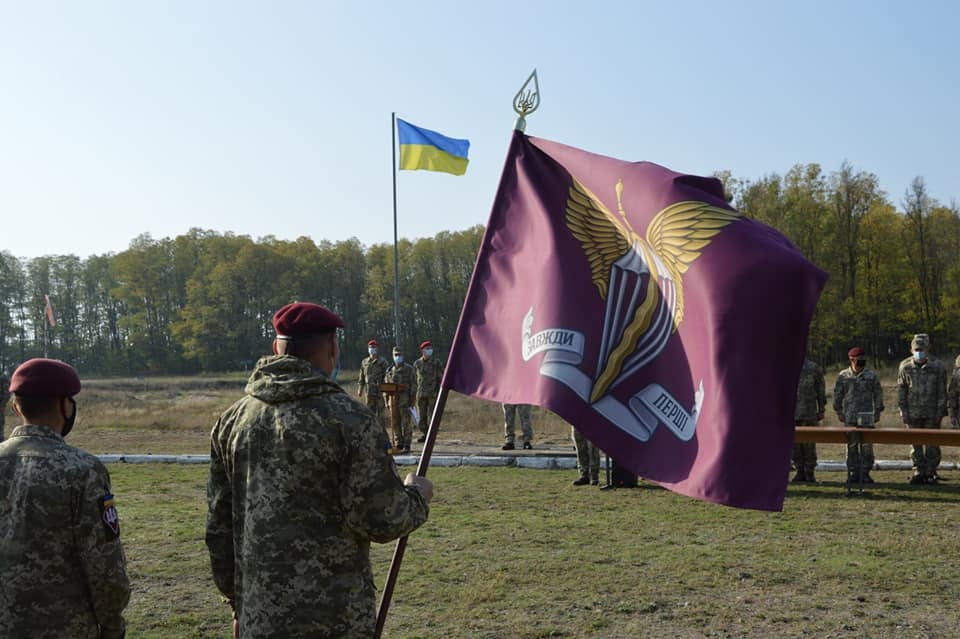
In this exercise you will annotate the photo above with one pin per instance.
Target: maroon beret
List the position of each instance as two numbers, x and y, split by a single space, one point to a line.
372 342
856 351
41 377
425 344
303 318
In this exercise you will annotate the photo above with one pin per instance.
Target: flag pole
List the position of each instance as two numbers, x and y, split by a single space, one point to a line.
396 250
526 102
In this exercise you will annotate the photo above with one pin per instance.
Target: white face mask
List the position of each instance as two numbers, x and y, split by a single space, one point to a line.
920 356
372 351
398 359
428 352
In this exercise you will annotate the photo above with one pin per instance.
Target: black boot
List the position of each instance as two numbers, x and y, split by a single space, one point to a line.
810 477
582 480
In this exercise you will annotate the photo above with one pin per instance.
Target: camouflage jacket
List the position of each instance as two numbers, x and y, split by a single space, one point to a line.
953 391
372 372
62 567
811 393
429 372
856 393
300 484
922 390
402 374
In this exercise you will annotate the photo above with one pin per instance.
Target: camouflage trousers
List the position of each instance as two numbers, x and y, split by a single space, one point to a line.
425 409
805 454
402 426
859 460
510 413
926 459
588 455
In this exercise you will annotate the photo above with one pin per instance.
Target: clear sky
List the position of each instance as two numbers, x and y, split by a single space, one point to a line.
273 118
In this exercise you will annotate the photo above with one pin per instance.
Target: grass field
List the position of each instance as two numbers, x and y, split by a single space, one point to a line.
520 553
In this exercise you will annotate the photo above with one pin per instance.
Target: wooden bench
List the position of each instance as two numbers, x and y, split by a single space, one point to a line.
860 436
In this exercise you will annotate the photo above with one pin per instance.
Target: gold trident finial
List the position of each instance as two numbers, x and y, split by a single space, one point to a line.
526 101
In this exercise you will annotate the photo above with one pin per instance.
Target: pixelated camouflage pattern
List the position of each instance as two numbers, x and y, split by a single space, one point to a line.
925 458
922 389
510 413
857 393
62 570
953 391
429 373
588 455
300 484
811 393
373 370
403 374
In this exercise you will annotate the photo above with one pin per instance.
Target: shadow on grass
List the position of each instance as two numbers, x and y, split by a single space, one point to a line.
880 491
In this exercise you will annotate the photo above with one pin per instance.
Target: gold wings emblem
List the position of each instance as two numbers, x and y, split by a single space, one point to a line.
676 237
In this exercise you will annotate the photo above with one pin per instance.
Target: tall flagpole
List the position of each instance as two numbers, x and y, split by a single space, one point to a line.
526 102
396 250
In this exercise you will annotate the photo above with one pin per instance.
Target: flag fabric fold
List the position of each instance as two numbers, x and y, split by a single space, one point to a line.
48 311
431 151
636 304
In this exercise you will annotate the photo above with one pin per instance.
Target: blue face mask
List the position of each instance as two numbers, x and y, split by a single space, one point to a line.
920 356
428 352
372 351
398 359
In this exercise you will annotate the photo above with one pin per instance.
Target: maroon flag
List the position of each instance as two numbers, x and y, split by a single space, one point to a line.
636 304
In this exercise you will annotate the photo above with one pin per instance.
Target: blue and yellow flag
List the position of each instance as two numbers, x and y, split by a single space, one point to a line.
431 151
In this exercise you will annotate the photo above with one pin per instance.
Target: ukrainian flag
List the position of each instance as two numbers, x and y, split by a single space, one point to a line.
431 151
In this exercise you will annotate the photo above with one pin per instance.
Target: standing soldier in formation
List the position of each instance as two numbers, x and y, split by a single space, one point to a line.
811 405
922 397
63 572
858 402
402 373
588 459
429 371
300 484
4 396
953 395
510 413
372 371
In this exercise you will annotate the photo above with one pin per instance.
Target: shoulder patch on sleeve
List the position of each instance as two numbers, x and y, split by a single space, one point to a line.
109 516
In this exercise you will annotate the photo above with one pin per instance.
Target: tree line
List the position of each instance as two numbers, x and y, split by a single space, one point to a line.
203 301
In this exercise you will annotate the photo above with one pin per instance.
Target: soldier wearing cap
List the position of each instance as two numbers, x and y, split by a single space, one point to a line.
402 373
429 372
300 483
811 405
858 402
922 398
373 369
4 396
62 567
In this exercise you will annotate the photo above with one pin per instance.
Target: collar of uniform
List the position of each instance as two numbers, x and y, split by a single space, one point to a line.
29 430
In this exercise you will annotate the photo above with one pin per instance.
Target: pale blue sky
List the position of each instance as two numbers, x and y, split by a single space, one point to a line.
273 118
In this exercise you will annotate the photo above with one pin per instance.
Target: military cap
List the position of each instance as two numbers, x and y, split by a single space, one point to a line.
920 340
42 377
425 344
397 351
856 352
304 318
373 342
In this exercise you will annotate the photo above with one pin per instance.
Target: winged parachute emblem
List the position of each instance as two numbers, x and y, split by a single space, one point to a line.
641 313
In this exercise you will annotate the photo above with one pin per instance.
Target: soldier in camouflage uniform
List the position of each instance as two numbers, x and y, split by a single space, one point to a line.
953 395
372 372
510 413
922 398
588 460
429 371
4 396
402 373
62 567
300 484
811 405
858 402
